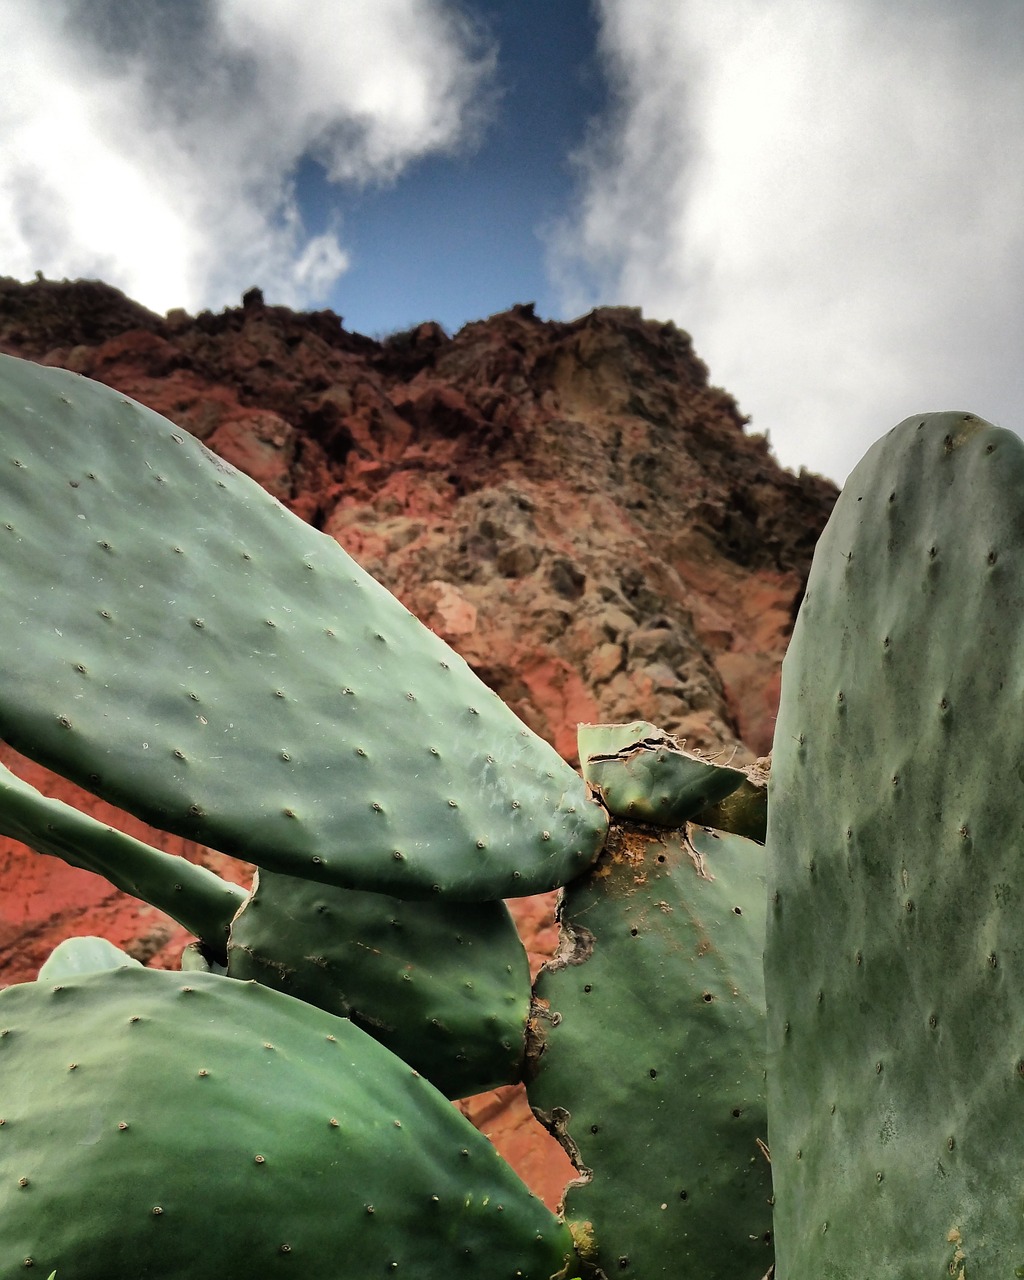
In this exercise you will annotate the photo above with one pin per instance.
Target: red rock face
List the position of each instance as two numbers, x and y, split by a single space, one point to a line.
570 505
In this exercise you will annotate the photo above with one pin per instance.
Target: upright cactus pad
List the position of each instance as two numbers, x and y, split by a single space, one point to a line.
180 644
895 957
166 1124
648 1056
445 985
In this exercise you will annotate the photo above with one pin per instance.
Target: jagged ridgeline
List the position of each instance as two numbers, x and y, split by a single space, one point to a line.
180 644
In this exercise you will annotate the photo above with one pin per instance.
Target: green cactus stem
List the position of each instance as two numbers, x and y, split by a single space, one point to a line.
194 896
445 985
646 775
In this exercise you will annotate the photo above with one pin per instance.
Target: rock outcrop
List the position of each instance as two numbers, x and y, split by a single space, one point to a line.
572 506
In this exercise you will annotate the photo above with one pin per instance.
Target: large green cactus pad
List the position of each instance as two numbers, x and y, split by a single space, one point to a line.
648 1055
193 896
895 956
180 644
445 985
165 1124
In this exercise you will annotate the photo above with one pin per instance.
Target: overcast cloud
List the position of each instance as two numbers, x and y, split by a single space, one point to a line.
152 146
828 197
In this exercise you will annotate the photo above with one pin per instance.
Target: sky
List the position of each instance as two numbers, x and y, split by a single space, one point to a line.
827 196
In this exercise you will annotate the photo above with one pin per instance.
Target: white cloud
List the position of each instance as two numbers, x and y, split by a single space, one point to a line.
154 146
827 196
373 84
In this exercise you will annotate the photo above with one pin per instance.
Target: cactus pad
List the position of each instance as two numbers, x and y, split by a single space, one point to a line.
445 985
644 774
75 956
170 1124
647 1055
894 963
177 642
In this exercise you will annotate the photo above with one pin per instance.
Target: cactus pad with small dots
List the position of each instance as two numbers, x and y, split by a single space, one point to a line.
180 644
156 1123
894 962
445 985
647 1054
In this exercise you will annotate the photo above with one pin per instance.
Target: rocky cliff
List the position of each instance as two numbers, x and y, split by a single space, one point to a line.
573 506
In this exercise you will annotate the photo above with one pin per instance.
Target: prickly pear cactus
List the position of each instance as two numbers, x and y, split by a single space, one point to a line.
445 985
895 957
180 644
647 1056
164 1124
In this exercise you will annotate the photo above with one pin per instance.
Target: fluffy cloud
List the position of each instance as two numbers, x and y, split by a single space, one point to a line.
827 196
154 145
